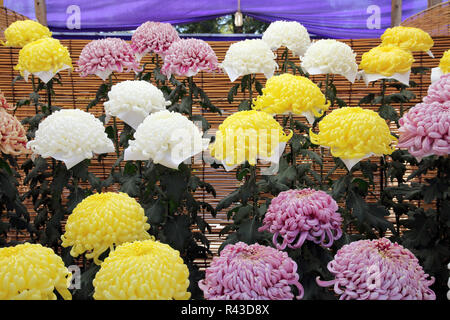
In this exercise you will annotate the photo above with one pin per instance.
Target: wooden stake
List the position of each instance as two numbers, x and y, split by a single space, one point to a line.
433 2
396 13
41 11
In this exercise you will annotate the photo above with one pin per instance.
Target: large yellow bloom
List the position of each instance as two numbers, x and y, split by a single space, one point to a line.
32 272
44 55
102 221
386 60
444 63
246 135
407 38
354 133
142 270
22 32
287 93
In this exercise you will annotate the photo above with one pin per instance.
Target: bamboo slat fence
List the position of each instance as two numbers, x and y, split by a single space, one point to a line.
77 92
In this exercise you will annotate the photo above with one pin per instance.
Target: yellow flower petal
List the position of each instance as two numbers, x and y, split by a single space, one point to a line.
386 60
245 135
102 221
46 54
22 32
142 270
407 38
354 132
32 272
289 93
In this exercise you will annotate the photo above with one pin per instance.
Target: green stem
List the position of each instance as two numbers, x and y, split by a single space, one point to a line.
48 87
251 79
191 95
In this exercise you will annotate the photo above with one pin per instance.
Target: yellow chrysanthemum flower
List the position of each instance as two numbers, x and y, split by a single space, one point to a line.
246 135
386 60
32 272
407 38
444 63
43 55
22 32
102 221
354 133
142 270
287 93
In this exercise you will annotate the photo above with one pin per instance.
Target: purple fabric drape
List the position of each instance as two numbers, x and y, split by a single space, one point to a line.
323 18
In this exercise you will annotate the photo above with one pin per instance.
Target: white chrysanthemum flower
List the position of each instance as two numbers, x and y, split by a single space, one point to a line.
330 56
70 135
290 34
133 101
168 138
249 57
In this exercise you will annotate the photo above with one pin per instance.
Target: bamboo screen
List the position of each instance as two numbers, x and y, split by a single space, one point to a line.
434 20
77 92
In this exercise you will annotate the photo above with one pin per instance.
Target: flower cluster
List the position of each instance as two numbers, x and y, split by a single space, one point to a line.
387 61
148 270
299 215
153 37
251 272
133 101
13 138
407 38
290 34
105 56
249 57
70 135
32 272
187 57
22 32
439 91
424 130
443 68
102 221
444 63
330 56
378 270
43 58
167 138
354 133
281 95
248 135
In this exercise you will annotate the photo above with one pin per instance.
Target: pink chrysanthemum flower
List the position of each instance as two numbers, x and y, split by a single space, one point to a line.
299 215
153 37
378 270
251 272
439 91
104 56
13 137
188 57
425 130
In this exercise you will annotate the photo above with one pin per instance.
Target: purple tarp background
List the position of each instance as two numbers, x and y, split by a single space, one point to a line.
322 18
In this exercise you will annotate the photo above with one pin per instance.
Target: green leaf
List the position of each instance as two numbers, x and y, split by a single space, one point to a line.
174 185
242 214
177 232
244 105
228 200
388 112
248 231
186 105
204 123
75 197
258 87
156 213
60 180
130 185
232 93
